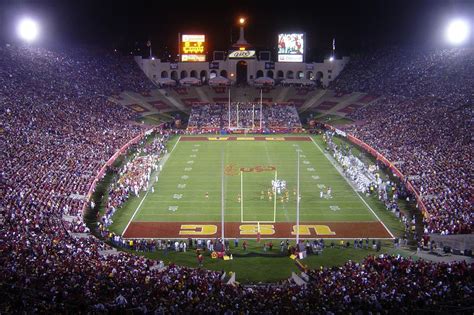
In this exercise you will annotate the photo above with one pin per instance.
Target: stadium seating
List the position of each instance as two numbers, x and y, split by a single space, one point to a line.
216 116
58 130
423 121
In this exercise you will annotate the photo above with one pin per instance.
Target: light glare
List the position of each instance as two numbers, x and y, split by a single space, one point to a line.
28 29
457 31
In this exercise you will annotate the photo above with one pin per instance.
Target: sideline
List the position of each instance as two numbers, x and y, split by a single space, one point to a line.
163 161
350 184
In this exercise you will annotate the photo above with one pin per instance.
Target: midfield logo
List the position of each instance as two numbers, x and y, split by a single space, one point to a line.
232 169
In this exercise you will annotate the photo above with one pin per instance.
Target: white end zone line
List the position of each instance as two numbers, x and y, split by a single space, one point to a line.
146 194
263 238
357 193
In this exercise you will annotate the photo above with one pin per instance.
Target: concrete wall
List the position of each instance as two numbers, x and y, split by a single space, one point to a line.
326 70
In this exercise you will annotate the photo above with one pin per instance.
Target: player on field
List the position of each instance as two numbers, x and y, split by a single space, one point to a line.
207 195
262 195
238 198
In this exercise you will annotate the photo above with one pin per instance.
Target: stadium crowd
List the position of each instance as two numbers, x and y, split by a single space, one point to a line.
57 131
423 121
134 176
445 74
244 115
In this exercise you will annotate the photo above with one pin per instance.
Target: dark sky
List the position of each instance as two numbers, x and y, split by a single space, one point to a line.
357 25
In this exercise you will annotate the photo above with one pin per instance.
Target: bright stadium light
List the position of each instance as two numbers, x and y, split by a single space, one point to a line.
27 29
331 58
457 31
242 21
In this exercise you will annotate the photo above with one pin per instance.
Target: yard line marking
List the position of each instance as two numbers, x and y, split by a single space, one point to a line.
146 194
136 210
213 214
350 184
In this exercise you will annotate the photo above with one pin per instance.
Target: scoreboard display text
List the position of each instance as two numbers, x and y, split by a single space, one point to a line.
193 48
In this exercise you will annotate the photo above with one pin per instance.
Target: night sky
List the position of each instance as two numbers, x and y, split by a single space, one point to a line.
127 25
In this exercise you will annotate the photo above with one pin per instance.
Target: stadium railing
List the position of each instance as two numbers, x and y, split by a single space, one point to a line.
110 162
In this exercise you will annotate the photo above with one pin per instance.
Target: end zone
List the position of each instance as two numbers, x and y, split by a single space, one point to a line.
285 230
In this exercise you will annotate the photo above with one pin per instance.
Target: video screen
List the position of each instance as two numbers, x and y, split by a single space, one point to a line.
290 47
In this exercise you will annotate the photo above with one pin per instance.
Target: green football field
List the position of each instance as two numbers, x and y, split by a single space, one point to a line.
204 177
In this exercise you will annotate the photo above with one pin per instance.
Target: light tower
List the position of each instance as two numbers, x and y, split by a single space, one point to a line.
457 31
27 29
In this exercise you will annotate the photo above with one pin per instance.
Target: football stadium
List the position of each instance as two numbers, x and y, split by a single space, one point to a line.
256 158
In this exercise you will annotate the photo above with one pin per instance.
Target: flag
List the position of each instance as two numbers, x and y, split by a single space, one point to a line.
333 44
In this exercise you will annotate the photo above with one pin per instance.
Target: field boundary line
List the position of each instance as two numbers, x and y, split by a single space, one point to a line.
267 238
350 184
163 161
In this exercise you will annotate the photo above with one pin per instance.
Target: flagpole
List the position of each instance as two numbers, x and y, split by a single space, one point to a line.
260 109
179 47
222 191
253 116
229 109
237 114
298 201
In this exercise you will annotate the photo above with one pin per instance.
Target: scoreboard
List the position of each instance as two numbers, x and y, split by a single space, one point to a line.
193 48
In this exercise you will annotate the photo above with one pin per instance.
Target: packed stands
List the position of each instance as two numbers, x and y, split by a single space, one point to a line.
442 73
58 130
244 115
431 142
424 122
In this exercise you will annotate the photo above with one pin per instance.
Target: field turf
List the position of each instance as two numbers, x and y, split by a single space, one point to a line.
186 201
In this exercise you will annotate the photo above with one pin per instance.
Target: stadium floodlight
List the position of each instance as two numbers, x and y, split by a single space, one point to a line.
28 29
457 31
242 21
331 58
